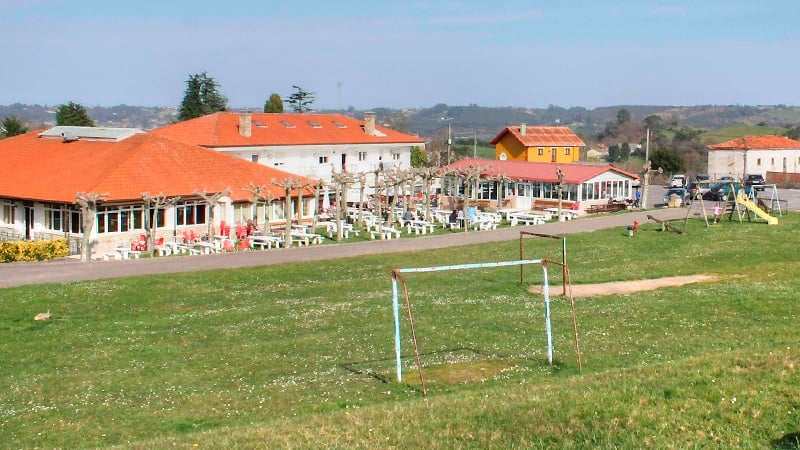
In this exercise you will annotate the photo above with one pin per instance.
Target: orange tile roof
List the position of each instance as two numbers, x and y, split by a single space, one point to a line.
768 142
222 130
574 173
47 169
536 136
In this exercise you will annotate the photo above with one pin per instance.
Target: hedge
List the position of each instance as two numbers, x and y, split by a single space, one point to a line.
33 250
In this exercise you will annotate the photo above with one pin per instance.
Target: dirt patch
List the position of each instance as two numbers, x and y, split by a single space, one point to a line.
626 287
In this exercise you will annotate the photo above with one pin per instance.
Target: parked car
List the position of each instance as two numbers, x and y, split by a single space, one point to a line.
700 177
680 192
720 191
677 181
757 181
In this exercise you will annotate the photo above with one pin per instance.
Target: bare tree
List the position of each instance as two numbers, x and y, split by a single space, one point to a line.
342 182
155 203
471 174
88 202
427 174
362 187
212 200
290 184
255 191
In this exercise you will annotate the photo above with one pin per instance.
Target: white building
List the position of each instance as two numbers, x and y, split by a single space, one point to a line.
311 145
762 155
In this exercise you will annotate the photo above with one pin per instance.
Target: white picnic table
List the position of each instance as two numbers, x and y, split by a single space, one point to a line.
567 214
265 241
419 227
527 219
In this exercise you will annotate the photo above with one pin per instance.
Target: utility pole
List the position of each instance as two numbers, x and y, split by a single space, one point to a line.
646 172
475 143
449 141
560 176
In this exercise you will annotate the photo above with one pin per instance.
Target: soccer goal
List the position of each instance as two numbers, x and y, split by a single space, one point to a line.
397 277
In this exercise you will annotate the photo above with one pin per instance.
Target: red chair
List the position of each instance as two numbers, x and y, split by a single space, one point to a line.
227 245
241 231
244 244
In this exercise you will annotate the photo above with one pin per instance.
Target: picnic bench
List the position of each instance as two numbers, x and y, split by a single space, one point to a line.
606 208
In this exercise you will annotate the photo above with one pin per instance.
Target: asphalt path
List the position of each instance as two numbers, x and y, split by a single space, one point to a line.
70 270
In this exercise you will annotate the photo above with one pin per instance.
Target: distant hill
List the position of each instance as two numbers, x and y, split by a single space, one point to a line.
144 117
465 121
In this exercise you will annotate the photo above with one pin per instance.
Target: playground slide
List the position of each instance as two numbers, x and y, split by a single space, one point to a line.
742 200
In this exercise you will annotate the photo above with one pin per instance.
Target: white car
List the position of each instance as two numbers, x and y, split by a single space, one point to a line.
677 181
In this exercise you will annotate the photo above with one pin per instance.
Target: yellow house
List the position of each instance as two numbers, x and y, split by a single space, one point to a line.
538 144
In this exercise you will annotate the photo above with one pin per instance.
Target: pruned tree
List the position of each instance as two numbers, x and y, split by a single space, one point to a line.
290 184
471 174
212 199
201 97
317 192
73 114
301 100
427 175
88 202
342 182
12 127
274 104
152 204
362 188
255 191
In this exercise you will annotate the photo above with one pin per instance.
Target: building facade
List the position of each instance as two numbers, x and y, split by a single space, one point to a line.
761 155
538 144
311 145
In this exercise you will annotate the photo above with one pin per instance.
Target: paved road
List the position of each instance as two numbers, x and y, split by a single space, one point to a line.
68 270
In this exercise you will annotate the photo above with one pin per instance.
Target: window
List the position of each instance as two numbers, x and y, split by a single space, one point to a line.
772 161
567 150
362 156
9 210
396 156
323 159
313 124
339 124
116 219
540 151
287 124
254 158
553 153
190 213
62 218
758 161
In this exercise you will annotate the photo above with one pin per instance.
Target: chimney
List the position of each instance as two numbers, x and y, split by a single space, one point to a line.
369 123
523 128
246 124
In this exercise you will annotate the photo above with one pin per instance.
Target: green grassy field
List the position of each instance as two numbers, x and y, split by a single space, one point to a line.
298 355
736 131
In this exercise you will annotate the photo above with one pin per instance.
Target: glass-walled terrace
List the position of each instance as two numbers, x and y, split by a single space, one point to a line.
589 191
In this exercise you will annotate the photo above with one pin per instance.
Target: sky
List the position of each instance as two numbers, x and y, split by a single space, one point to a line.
403 54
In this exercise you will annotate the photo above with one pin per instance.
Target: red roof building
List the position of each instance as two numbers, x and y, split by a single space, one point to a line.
43 172
538 144
763 155
528 184
311 145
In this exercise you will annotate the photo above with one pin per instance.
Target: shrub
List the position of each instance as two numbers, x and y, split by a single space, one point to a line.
33 250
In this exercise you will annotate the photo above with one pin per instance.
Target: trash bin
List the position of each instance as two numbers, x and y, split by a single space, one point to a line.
630 230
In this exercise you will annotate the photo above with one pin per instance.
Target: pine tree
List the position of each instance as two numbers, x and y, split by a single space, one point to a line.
12 127
274 104
201 97
73 114
301 100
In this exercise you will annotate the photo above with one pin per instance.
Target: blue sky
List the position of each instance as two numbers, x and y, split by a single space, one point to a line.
386 53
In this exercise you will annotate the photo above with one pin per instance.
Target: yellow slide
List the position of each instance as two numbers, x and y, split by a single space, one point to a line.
743 200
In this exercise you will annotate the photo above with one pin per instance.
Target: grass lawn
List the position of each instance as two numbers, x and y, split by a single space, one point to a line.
737 131
299 355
